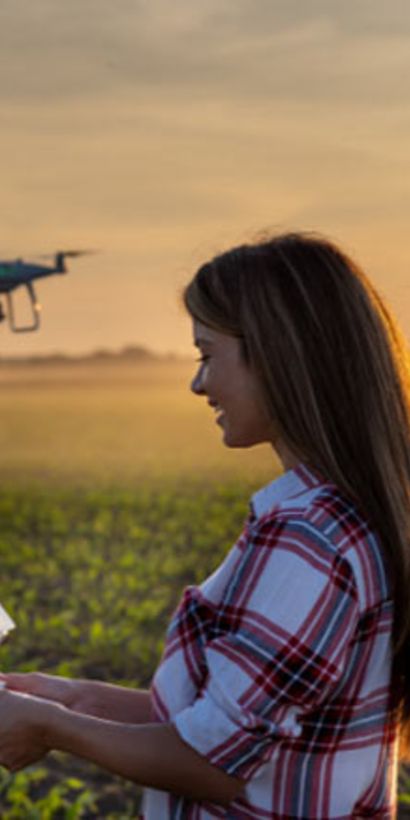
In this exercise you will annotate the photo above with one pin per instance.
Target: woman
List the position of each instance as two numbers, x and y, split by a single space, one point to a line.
283 682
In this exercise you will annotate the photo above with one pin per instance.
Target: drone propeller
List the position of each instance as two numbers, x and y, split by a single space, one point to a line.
66 253
77 253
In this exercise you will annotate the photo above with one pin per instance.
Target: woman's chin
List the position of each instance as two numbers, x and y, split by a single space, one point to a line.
231 440
227 437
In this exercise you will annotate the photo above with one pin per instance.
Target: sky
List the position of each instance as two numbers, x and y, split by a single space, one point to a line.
159 133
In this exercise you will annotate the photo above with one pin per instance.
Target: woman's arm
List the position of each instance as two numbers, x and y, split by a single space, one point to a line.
89 697
151 754
116 703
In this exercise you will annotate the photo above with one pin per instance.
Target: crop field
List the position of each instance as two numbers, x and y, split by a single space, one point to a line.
111 423
115 493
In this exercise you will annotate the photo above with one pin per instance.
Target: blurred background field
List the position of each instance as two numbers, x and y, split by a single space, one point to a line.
115 493
111 421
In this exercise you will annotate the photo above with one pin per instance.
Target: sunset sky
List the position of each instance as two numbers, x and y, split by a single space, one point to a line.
159 133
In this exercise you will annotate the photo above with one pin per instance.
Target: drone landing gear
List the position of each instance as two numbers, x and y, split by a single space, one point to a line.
35 311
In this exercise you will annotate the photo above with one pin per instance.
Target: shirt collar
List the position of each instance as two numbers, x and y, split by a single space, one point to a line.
293 482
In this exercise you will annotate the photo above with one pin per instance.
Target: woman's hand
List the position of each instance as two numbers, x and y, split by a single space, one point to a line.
23 721
87 697
51 687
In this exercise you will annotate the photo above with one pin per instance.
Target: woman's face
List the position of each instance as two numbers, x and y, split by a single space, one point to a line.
231 389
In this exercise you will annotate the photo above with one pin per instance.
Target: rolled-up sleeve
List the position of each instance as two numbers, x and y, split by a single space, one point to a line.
279 645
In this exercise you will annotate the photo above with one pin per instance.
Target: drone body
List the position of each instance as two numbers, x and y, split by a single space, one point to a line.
17 273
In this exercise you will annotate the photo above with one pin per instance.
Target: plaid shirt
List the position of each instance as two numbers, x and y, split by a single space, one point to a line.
278 667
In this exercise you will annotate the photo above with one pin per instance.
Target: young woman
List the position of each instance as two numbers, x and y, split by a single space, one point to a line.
284 679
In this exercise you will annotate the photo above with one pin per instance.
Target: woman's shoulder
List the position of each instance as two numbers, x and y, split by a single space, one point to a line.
318 518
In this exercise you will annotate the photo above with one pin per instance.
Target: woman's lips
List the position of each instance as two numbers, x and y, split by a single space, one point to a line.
218 410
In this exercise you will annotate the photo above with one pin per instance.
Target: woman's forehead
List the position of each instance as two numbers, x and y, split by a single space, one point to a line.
209 336
204 334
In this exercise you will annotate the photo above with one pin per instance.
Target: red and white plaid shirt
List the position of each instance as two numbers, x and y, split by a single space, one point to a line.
278 667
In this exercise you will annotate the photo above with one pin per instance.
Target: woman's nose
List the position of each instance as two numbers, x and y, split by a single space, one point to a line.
196 384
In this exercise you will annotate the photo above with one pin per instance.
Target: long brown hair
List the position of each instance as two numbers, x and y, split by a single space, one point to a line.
335 370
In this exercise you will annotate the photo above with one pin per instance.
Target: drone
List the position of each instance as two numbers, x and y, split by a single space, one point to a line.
17 273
